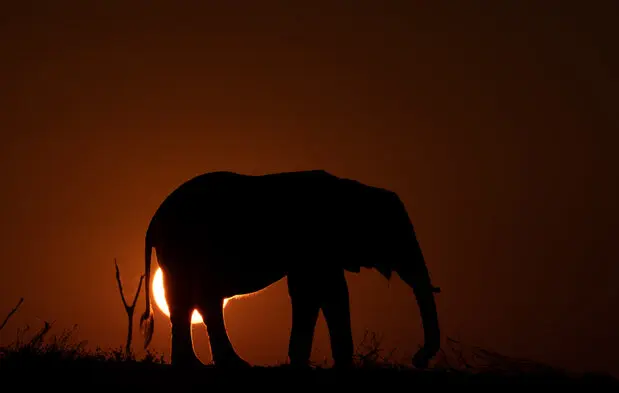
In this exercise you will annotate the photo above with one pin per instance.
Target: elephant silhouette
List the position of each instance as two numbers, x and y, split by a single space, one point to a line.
223 234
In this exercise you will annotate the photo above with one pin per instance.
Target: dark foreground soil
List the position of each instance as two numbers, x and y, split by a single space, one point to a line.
49 364
87 374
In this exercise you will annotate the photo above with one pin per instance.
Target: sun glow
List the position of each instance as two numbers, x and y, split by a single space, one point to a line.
160 300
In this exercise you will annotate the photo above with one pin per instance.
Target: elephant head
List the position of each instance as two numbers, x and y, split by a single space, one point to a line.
391 245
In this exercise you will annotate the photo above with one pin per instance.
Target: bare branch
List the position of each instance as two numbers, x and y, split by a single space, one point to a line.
129 309
137 292
21 300
120 285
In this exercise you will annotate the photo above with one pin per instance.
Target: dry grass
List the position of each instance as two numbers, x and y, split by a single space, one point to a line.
40 347
36 351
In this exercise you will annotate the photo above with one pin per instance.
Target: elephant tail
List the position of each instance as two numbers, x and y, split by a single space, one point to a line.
147 321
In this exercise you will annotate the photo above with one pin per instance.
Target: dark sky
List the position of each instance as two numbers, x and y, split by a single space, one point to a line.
496 124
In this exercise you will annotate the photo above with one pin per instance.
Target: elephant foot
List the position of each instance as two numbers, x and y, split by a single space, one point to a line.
192 363
422 358
343 365
232 363
299 365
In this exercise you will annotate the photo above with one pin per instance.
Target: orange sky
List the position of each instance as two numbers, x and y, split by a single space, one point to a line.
496 125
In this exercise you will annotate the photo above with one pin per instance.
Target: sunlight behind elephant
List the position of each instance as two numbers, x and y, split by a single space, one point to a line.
159 294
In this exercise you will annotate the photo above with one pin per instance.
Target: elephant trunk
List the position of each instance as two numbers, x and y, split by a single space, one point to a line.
416 276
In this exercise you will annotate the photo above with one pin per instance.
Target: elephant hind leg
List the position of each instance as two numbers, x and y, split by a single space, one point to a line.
182 346
305 309
336 310
222 351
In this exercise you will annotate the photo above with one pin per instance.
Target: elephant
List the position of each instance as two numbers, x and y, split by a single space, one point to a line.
223 234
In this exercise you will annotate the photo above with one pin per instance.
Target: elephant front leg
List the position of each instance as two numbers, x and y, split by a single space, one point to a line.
336 309
222 351
305 308
304 317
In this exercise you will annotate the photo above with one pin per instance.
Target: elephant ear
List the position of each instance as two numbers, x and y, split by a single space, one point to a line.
384 270
352 268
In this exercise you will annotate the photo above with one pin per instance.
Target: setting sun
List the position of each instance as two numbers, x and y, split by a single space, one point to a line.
159 294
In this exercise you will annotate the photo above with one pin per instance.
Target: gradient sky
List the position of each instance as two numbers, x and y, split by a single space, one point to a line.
496 124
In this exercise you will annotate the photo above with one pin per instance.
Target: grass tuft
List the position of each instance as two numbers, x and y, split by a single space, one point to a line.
40 350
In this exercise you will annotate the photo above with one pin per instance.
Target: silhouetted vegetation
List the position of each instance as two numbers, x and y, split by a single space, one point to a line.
10 314
129 309
39 350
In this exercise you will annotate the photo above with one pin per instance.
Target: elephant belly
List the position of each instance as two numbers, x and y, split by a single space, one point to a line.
238 251
240 277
